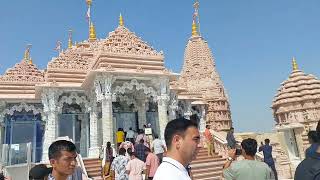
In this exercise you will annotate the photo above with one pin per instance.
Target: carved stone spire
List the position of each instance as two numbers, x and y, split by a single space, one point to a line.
199 81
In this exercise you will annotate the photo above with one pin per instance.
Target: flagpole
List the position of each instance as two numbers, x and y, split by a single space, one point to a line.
89 2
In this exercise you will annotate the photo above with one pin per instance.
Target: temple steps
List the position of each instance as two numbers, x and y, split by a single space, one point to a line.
93 167
207 168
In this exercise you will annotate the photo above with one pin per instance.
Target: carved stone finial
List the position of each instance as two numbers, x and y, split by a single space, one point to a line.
121 23
294 64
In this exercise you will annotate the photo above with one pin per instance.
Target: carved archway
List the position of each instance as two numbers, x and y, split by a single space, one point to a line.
134 84
73 98
19 108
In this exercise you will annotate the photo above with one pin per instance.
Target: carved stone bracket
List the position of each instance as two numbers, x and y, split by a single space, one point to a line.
103 85
49 100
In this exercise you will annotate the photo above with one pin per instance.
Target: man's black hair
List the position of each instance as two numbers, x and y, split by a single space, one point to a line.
132 154
177 126
129 150
313 136
249 146
122 151
267 141
58 146
39 172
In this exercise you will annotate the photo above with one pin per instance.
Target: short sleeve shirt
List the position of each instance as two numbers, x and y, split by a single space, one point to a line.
170 169
157 146
120 136
208 135
247 169
119 167
153 162
135 166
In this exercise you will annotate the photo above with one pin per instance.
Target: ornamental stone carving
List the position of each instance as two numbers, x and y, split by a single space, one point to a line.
103 85
23 72
123 41
22 106
74 98
50 100
70 60
149 91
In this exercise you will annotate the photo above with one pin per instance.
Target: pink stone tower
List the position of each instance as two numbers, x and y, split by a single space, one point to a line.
200 81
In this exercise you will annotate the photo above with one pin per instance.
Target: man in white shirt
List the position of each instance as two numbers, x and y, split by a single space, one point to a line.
130 135
158 148
182 139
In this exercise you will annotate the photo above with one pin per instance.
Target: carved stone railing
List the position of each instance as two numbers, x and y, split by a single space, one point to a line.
220 144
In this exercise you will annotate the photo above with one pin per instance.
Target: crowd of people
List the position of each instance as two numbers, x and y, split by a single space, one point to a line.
138 156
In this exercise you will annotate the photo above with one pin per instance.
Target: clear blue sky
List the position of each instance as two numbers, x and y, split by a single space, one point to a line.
252 41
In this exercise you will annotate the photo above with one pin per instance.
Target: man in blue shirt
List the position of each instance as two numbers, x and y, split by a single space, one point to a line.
267 154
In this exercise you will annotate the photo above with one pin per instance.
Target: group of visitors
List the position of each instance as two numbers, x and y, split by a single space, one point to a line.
133 166
182 140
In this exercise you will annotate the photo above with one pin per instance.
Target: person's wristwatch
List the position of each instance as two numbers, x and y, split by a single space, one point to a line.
230 159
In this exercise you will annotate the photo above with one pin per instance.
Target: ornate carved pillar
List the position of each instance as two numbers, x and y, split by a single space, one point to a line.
173 107
162 106
187 112
202 124
2 108
49 100
103 86
142 116
84 137
94 146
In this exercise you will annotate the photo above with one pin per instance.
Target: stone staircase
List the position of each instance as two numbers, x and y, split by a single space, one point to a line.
207 168
93 168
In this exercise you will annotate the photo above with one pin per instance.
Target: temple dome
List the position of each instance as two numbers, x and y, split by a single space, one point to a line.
297 101
298 87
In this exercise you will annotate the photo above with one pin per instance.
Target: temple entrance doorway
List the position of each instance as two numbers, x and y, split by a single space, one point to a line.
126 120
75 124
